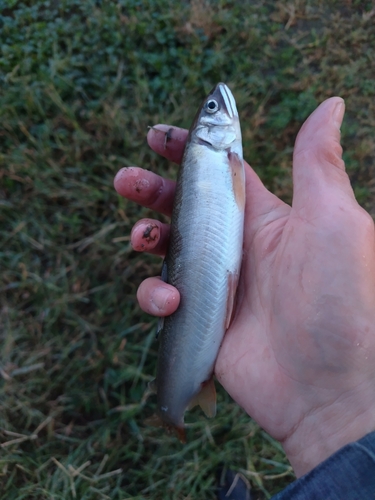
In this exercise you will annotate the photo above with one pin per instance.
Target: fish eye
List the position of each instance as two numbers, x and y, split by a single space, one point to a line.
212 106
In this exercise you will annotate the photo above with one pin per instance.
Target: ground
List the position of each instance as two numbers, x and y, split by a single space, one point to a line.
80 84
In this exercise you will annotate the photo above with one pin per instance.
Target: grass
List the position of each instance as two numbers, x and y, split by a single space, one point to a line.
80 83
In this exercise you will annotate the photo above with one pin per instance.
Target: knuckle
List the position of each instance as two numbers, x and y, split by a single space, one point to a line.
331 152
326 151
366 221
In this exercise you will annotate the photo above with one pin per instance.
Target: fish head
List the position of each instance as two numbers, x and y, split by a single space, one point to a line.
217 123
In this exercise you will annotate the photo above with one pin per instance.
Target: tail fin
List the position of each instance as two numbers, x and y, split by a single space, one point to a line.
156 421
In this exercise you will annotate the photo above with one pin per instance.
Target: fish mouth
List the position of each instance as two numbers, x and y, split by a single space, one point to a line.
224 97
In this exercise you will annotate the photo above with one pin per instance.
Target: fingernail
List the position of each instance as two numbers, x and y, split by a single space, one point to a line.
167 133
338 114
160 127
160 298
136 238
119 174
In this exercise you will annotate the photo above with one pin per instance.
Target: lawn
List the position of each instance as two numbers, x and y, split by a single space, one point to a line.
80 84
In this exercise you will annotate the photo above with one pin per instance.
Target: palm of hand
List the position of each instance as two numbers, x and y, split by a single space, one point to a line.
305 308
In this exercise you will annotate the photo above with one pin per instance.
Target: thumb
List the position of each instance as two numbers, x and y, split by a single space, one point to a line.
318 168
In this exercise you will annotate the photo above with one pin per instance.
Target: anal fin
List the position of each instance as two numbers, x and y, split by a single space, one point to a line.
206 398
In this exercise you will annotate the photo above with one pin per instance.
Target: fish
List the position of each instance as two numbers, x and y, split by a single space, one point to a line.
203 261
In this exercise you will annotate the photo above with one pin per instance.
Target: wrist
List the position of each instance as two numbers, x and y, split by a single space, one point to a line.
323 432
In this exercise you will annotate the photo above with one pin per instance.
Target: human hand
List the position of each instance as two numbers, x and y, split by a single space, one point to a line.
299 355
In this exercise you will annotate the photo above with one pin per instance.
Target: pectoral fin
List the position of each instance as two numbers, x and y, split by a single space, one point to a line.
238 178
206 398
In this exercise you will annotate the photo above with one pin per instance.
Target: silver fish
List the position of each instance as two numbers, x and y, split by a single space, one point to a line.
203 259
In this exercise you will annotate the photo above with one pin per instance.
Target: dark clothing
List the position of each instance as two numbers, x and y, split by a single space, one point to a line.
349 474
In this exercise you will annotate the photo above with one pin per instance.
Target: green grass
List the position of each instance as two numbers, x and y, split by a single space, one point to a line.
80 83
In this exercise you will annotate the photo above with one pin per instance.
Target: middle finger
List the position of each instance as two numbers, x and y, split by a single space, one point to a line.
146 188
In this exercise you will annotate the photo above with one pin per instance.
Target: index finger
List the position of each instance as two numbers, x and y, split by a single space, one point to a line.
168 141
